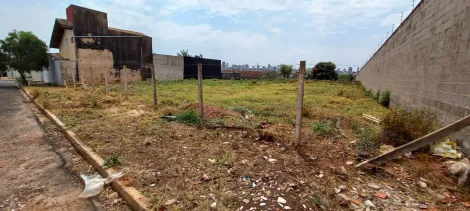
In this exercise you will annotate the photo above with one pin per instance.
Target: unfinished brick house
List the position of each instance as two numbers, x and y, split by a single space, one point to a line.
85 40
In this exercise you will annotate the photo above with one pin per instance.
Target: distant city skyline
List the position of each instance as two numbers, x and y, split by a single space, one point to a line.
269 66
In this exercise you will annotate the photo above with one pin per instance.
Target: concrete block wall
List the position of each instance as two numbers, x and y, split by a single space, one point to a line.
168 67
426 63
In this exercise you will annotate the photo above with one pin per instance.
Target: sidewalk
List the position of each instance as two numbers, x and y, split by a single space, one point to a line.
37 165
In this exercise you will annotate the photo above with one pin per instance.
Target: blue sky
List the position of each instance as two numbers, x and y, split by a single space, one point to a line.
345 32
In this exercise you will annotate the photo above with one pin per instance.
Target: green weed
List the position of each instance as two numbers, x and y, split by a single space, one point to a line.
385 98
111 161
325 128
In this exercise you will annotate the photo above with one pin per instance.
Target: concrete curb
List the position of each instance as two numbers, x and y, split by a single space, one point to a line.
134 199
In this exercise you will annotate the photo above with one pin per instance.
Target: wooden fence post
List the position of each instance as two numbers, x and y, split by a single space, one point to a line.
300 102
106 81
74 83
66 78
92 79
124 71
154 85
199 78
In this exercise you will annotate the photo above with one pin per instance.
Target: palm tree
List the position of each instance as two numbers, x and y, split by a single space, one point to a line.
183 53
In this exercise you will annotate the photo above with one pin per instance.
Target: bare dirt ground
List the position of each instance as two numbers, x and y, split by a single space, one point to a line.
38 167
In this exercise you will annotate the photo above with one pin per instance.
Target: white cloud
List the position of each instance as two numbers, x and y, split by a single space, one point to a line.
265 31
204 34
227 7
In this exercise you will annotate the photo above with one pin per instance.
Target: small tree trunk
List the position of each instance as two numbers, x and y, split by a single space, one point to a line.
23 77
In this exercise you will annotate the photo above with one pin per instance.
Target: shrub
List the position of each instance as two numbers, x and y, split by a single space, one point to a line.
35 93
346 77
400 127
19 81
188 118
385 98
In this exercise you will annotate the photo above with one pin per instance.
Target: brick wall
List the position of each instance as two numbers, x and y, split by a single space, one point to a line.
426 63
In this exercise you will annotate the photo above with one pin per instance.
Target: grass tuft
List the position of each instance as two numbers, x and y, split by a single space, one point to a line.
188 118
325 128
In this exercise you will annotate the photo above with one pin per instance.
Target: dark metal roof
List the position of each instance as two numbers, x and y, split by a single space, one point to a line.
55 56
58 31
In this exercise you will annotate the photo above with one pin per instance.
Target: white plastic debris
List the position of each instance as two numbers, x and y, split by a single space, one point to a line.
368 203
94 184
214 204
447 149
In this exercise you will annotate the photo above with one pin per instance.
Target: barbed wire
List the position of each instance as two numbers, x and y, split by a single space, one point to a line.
384 41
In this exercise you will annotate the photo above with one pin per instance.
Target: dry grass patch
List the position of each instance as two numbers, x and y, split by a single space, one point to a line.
189 163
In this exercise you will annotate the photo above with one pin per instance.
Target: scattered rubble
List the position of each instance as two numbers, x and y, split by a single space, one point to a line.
381 195
373 185
170 202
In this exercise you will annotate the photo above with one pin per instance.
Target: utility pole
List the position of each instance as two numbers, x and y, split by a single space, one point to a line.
401 18
413 5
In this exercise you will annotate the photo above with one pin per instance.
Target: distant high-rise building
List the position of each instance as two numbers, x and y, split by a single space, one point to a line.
350 70
269 66
357 69
223 65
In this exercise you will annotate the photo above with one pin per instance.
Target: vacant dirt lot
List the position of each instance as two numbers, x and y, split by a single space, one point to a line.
242 156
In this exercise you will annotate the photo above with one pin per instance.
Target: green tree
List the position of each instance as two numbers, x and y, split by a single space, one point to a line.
24 52
3 62
286 70
324 71
183 53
